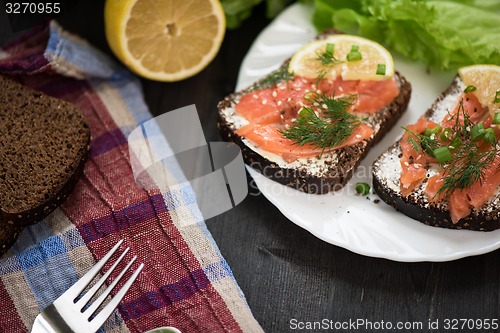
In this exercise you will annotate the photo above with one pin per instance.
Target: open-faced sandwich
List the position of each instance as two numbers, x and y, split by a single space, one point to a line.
445 170
308 124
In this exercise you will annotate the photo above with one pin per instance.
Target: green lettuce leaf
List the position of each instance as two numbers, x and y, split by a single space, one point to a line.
443 34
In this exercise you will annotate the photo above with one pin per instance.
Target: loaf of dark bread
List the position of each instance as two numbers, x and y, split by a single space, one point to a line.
317 175
386 181
44 142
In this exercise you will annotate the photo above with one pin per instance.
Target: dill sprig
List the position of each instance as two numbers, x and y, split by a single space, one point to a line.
467 168
469 159
280 75
335 125
422 143
327 60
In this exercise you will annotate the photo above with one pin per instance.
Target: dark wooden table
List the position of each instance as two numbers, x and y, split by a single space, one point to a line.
288 275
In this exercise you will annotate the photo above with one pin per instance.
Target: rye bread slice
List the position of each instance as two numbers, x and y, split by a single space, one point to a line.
44 142
387 169
315 175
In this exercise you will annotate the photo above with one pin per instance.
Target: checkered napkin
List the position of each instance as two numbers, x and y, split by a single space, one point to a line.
186 282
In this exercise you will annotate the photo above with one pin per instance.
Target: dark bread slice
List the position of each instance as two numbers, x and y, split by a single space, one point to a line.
386 171
44 142
315 175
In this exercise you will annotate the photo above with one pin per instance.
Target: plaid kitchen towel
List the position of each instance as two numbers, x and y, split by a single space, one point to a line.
186 282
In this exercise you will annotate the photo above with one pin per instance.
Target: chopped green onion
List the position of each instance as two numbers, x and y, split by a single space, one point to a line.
490 136
329 48
497 97
354 54
477 132
443 154
381 69
445 136
496 118
435 130
304 112
310 96
362 188
470 89
455 142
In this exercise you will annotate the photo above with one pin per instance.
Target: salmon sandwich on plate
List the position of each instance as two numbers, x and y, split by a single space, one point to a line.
308 124
445 170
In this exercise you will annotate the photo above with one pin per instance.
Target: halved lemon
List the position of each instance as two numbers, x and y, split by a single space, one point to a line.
166 40
486 79
354 58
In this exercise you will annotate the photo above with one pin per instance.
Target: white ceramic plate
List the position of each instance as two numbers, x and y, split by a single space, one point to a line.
344 219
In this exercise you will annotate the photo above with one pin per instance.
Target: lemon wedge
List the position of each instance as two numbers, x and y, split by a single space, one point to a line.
351 57
168 40
486 79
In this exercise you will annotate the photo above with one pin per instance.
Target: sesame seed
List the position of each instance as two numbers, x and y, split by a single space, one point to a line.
358 136
406 163
275 93
279 103
255 96
264 101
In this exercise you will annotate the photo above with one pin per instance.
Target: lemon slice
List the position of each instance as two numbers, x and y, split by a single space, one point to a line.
486 79
371 60
166 40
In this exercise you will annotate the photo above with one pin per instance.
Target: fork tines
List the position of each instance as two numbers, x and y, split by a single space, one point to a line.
82 303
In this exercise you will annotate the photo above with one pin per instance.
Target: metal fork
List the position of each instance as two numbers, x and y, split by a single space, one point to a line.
71 314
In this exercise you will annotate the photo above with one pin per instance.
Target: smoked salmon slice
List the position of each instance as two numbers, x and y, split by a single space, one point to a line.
264 106
461 201
413 163
271 140
471 106
270 109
